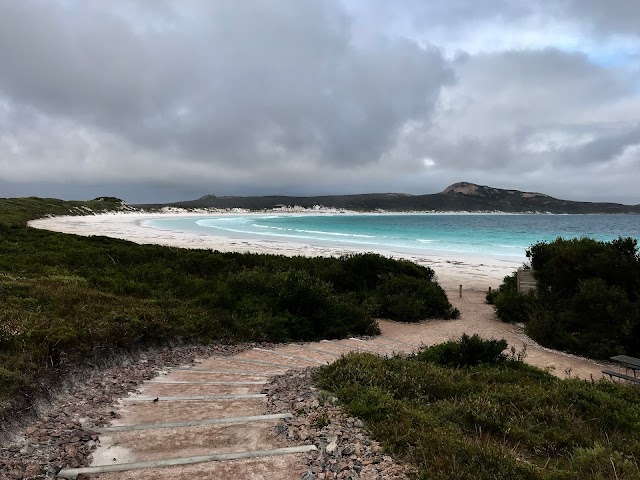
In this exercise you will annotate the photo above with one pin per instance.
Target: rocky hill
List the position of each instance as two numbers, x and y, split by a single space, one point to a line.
459 197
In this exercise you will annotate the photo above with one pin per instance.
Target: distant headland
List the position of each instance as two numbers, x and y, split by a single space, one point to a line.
459 197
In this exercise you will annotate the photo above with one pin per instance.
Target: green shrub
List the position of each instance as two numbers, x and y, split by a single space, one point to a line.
587 299
468 351
589 293
509 285
598 321
64 297
11 382
559 266
365 271
495 418
511 306
411 299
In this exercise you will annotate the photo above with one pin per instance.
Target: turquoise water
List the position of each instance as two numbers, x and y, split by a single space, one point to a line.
497 236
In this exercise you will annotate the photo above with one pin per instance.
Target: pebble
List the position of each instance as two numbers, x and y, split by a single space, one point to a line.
344 449
64 434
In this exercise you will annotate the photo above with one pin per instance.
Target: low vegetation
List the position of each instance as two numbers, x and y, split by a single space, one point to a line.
466 410
588 297
64 298
510 305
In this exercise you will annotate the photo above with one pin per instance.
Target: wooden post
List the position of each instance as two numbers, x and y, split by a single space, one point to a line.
460 291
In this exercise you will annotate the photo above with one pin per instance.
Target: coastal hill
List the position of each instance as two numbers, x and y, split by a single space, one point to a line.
459 197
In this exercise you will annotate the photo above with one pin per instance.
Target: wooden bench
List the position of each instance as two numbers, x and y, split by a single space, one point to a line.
628 378
629 363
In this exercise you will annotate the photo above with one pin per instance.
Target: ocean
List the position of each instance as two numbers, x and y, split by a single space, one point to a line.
499 236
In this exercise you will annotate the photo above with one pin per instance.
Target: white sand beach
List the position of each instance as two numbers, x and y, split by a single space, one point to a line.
473 273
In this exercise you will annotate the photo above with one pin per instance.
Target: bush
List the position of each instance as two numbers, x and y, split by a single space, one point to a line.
559 266
588 296
598 321
301 306
497 419
513 307
365 271
587 299
65 298
410 299
510 305
466 352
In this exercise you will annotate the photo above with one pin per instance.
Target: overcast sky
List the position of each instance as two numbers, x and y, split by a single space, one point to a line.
163 100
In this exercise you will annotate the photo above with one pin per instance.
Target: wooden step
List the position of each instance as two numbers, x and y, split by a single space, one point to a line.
242 360
292 356
141 398
148 445
130 413
195 423
72 473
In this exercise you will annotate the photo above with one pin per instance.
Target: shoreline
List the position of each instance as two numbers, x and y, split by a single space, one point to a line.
472 272
474 277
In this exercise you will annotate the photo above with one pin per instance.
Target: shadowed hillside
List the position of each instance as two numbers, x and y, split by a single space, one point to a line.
459 197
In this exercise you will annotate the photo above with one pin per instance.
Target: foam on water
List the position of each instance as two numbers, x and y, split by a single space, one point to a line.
497 236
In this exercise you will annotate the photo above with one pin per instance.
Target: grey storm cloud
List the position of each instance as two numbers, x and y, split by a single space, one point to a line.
517 111
612 16
318 96
220 82
605 17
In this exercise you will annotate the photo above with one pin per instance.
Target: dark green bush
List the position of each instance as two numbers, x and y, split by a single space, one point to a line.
466 352
63 297
514 307
510 305
598 321
559 266
589 296
509 285
411 299
365 271
587 299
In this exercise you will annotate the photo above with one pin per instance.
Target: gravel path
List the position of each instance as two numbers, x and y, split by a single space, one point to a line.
65 432
169 405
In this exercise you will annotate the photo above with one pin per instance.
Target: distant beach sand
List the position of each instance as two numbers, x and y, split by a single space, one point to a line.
476 275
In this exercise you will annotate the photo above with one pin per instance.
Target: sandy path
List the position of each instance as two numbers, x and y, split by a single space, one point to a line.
478 317
147 432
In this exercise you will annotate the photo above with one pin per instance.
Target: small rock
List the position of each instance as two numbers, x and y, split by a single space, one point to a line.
32 470
71 450
27 450
348 450
331 448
